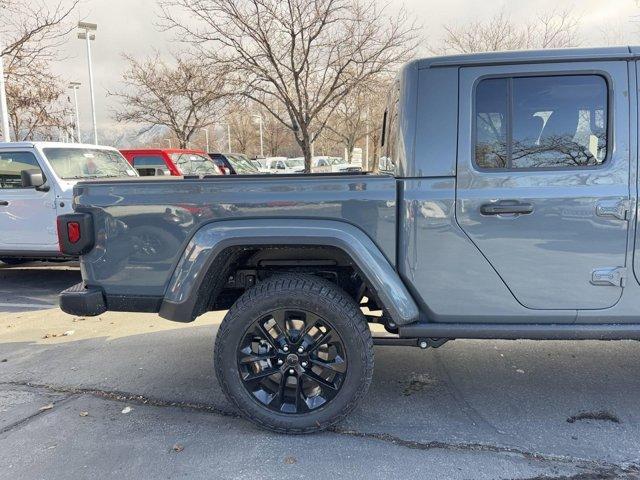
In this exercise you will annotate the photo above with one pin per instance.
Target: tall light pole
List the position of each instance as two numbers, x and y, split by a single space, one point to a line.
168 140
75 86
366 148
261 143
4 111
87 35
228 134
206 136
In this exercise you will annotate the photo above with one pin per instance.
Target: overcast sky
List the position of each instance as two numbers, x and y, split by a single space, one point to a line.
130 26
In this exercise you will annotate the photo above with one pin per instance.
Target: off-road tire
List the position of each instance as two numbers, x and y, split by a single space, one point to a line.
313 294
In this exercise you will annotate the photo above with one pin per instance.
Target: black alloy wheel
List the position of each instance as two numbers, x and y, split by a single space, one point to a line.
294 354
292 361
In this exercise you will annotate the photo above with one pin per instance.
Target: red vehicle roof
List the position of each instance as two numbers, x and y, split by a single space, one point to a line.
165 154
161 150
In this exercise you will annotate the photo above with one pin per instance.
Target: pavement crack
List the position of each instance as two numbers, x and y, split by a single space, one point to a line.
23 421
593 467
599 415
127 397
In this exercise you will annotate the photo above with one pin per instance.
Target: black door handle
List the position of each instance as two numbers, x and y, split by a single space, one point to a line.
501 208
4 203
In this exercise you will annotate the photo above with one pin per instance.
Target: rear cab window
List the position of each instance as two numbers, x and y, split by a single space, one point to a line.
542 122
149 165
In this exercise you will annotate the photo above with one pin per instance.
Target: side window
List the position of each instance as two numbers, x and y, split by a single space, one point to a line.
491 123
541 122
11 164
183 162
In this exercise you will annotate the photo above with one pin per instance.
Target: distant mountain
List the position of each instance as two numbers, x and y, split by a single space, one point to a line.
125 136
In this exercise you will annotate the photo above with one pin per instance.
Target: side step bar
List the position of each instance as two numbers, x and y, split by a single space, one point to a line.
521 332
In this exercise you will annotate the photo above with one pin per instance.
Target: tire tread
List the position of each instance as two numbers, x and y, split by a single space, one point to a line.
311 286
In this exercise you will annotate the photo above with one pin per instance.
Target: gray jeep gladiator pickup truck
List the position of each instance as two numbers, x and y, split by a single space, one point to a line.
510 214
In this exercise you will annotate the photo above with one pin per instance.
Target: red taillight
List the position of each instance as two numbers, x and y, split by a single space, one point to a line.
73 232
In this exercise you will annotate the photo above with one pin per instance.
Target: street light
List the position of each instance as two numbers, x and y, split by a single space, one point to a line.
168 140
86 35
366 149
228 134
261 143
4 111
206 136
75 86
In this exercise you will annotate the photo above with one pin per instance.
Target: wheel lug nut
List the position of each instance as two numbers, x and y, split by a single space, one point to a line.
291 371
300 349
280 361
304 364
285 348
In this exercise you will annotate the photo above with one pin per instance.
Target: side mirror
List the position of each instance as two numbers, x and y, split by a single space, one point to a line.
32 178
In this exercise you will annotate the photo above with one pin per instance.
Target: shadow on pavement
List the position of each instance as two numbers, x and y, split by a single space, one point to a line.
35 285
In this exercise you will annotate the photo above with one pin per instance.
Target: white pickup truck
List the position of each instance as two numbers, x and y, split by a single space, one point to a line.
36 185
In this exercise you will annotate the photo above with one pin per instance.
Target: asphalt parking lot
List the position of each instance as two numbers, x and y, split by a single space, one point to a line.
134 396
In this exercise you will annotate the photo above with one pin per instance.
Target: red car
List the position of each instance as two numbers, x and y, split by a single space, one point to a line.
171 161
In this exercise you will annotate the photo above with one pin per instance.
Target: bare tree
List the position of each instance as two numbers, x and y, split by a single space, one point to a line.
37 107
244 128
307 55
358 114
553 29
31 34
276 135
184 97
32 31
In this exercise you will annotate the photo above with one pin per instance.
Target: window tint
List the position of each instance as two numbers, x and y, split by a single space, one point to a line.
491 123
148 161
11 164
551 122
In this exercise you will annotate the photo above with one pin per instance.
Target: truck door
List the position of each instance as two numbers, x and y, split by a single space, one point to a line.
543 179
27 215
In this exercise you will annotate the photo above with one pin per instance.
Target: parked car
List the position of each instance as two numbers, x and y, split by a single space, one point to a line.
171 161
234 163
332 164
511 214
284 165
260 164
36 182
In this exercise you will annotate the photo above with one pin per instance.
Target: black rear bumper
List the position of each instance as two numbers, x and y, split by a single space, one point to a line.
82 301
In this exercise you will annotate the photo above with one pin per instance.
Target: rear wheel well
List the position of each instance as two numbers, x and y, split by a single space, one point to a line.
238 268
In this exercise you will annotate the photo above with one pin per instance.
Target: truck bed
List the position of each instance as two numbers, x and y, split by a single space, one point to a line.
147 222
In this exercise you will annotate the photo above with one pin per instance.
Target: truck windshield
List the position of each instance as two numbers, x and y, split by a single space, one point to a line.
295 162
242 165
194 164
77 163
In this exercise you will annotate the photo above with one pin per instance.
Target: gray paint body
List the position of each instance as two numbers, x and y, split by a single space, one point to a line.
423 231
212 239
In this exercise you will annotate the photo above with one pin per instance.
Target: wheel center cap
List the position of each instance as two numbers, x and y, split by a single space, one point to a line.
292 359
